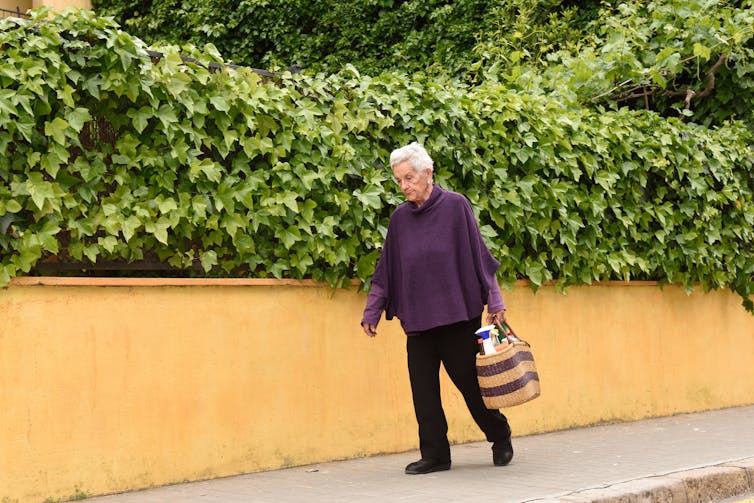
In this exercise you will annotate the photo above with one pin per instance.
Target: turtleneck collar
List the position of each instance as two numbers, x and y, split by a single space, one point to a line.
429 203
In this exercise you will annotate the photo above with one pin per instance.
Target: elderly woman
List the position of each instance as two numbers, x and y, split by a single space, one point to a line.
436 275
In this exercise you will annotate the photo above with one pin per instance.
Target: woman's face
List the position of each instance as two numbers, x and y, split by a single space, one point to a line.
415 186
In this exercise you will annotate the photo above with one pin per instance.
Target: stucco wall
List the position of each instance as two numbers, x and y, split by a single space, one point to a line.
108 385
25 5
62 4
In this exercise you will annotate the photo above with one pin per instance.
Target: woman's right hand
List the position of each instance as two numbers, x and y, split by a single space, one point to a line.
369 329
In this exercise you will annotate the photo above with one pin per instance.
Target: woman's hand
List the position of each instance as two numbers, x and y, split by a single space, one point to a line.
495 318
369 329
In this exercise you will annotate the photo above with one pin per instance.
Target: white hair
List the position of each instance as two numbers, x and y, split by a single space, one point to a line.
414 154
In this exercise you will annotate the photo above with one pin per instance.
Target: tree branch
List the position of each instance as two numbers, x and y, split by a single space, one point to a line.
689 94
646 92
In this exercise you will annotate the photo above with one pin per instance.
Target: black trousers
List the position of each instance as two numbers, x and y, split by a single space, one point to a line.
455 346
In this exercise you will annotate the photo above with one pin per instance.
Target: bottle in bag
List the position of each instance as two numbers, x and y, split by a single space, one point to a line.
487 342
499 336
488 345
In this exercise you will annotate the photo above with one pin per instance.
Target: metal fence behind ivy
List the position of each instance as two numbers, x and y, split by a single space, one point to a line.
13 13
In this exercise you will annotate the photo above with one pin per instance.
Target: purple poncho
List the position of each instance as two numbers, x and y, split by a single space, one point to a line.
435 268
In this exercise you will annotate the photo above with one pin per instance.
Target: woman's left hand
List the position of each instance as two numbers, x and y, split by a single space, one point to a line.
496 317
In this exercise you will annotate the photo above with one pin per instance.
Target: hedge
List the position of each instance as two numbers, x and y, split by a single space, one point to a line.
111 155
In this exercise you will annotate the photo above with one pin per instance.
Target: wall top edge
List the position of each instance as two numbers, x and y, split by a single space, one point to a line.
157 282
147 282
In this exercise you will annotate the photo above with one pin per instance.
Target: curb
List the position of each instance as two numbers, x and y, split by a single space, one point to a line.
699 485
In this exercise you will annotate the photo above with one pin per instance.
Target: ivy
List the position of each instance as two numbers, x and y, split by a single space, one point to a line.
320 35
690 59
109 155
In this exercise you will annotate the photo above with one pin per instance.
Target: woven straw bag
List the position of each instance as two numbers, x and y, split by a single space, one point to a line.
509 376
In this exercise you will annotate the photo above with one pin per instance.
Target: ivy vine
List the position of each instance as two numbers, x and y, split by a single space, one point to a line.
108 154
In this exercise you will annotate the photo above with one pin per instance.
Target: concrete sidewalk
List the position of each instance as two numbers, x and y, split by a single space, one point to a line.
706 456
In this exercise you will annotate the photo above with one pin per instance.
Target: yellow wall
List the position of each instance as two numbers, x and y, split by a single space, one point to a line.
62 4
110 385
25 5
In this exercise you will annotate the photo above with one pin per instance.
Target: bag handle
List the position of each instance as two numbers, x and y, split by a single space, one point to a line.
507 329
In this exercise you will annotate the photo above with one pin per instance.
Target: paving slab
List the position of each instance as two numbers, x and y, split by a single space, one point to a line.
685 458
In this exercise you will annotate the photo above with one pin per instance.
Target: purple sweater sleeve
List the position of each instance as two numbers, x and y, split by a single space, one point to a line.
495 301
489 265
376 302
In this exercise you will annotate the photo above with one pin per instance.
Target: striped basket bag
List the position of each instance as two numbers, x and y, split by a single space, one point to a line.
508 377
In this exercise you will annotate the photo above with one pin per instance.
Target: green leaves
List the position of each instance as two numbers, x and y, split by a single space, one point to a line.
77 117
57 130
118 158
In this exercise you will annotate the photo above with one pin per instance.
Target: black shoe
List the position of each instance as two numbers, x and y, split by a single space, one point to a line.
502 452
427 466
